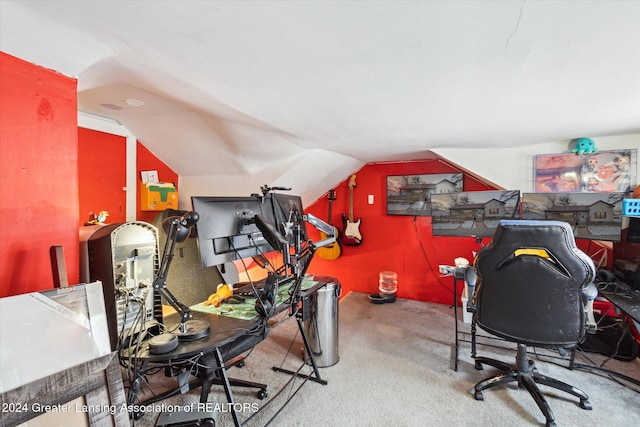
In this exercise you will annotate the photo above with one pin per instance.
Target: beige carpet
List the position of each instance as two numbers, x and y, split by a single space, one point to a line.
395 369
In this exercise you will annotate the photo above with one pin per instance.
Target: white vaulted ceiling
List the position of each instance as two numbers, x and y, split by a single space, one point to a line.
302 93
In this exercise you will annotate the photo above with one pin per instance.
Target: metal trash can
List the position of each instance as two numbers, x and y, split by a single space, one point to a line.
321 326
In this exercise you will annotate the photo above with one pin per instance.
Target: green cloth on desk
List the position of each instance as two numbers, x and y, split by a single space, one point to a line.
247 309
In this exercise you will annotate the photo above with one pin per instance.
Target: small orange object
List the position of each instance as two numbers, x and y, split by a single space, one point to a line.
224 291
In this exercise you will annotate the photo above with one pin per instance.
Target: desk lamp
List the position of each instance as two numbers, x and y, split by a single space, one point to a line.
177 230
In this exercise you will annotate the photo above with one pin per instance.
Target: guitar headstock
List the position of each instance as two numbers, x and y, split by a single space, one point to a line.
331 195
352 181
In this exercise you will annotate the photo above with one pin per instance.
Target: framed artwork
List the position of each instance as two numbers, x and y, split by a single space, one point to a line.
593 216
604 171
473 213
411 194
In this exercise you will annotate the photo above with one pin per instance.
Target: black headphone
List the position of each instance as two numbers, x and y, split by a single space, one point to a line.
266 297
264 304
605 276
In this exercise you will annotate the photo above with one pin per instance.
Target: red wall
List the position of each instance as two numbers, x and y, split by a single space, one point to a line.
102 175
39 174
403 244
41 180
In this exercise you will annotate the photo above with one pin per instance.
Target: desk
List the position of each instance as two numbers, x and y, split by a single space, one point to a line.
229 337
206 356
626 300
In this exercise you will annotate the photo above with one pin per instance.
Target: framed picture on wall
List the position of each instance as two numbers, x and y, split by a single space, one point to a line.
604 171
473 213
411 194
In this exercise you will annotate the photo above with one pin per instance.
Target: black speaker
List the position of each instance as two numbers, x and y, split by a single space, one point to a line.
605 276
633 233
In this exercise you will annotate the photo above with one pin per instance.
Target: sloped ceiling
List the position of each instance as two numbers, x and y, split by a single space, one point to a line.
266 88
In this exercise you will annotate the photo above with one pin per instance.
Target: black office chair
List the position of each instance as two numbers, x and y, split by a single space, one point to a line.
534 288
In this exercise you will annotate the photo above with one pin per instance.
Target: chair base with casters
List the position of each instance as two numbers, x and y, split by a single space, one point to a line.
527 376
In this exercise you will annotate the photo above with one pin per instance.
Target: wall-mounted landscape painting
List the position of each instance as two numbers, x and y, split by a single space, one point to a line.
593 216
411 194
473 213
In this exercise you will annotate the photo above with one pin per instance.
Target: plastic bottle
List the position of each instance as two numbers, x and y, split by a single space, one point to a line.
388 282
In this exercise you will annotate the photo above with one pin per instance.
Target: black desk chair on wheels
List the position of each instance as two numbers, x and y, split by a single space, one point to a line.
534 288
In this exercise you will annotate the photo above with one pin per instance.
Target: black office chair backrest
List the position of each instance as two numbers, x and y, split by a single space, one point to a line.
530 282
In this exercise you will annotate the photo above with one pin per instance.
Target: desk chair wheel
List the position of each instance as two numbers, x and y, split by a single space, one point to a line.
550 424
262 393
240 364
478 395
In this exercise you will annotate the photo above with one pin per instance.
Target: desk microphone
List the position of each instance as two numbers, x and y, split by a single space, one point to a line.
470 276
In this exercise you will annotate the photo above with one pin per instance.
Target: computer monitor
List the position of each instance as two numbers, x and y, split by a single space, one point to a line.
593 216
288 213
227 230
472 213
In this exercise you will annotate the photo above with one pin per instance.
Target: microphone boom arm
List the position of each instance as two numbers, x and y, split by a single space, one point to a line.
322 226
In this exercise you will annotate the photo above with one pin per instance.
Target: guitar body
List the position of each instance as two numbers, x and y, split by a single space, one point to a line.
329 252
333 251
351 235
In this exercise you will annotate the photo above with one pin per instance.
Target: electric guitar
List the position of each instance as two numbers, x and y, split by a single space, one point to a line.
351 235
332 251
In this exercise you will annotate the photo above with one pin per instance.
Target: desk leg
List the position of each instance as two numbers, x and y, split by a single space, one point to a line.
207 382
455 315
227 387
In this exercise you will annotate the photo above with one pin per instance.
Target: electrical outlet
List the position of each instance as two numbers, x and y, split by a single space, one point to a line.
370 199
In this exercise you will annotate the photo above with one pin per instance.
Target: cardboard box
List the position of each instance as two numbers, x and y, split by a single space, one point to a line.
158 196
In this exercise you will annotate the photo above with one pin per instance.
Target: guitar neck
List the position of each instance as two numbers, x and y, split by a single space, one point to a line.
351 204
